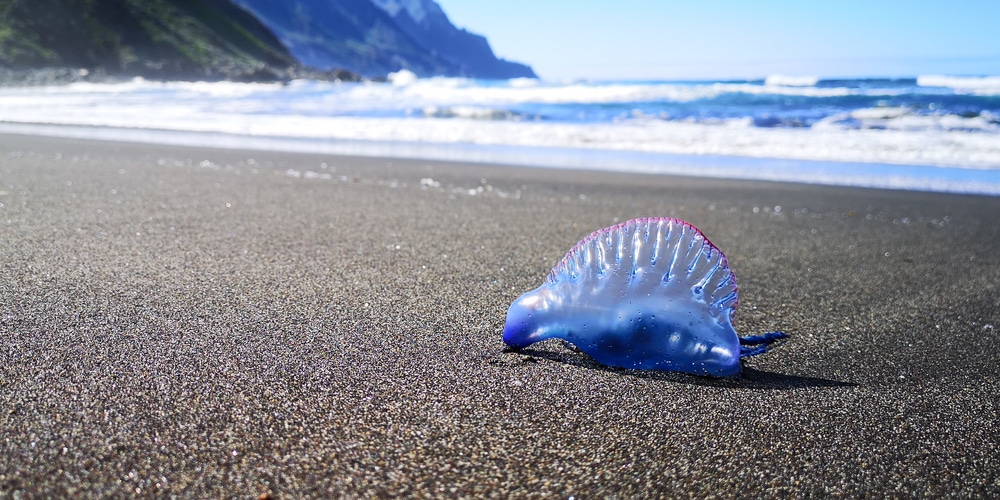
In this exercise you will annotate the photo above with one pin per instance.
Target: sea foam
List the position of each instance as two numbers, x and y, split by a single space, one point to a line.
985 85
791 81
877 122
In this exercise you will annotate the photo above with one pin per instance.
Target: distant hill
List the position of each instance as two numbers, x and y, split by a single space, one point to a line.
375 37
169 39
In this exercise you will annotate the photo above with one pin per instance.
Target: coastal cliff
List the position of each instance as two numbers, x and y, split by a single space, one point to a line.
375 37
427 23
52 41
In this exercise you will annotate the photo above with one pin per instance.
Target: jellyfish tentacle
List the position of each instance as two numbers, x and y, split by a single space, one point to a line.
752 345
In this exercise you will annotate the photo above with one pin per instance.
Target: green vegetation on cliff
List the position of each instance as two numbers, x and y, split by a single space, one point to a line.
171 39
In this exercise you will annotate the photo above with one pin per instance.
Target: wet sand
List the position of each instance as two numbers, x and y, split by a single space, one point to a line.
232 323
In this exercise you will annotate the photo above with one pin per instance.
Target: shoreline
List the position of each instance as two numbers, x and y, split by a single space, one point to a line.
223 322
921 178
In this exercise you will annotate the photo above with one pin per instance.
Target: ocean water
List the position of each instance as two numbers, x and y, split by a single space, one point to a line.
937 133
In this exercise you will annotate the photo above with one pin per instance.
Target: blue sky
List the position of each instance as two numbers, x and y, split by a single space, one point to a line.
638 39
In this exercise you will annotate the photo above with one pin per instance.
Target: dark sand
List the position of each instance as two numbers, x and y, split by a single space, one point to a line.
169 326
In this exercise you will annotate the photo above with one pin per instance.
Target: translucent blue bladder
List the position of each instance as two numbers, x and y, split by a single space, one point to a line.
648 294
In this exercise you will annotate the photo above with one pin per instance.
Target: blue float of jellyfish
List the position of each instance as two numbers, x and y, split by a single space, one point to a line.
648 294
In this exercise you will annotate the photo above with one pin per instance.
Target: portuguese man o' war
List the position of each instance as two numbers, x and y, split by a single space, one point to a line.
648 294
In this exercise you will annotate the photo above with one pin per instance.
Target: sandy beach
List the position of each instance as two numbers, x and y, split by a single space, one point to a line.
222 323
